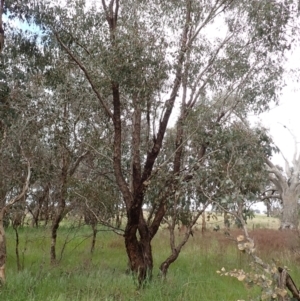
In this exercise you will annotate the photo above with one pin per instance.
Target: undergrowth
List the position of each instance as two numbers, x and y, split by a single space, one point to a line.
80 275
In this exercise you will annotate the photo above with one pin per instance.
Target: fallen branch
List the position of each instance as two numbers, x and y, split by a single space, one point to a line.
285 280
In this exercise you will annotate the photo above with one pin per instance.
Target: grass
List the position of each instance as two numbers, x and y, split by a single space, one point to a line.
102 275
260 221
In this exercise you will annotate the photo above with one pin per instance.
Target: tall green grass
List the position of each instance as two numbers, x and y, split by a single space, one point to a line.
80 275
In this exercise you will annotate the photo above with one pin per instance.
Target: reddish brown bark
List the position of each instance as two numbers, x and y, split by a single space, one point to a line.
138 250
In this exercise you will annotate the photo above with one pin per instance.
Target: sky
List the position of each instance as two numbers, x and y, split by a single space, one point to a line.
283 120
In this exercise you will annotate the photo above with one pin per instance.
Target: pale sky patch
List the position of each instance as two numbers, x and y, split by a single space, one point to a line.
283 120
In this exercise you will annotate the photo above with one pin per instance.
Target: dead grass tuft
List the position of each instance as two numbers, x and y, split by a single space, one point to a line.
116 243
269 243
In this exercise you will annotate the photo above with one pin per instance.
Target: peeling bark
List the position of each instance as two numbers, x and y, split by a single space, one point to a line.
290 216
288 189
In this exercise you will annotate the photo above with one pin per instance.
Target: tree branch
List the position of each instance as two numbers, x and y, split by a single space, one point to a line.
276 172
152 155
86 73
25 186
79 159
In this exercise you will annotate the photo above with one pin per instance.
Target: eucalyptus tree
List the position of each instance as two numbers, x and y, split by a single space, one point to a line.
16 130
63 125
95 196
15 177
11 198
229 174
286 183
54 121
142 58
242 175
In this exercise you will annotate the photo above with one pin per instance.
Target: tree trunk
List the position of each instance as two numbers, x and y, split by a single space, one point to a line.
2 215
59 213
140 257
139 251
203 223
289 211
175 249
164 267
19 267
55 224
54 228
94 228
35 219
268 205
57 219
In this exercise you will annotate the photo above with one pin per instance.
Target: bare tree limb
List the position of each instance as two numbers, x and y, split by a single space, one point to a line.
274 169
77 162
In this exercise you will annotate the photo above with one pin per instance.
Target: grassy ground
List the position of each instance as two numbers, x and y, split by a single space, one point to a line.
102 275
260 221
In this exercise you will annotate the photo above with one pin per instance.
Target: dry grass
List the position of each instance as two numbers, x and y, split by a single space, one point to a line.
260 221
271 244
116 243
